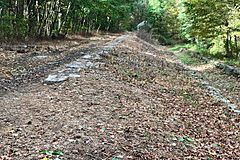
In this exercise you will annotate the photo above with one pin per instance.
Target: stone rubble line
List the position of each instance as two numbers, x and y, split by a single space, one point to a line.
230 70
86 61
215 93
72 70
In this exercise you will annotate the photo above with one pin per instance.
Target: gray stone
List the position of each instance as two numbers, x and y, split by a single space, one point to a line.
40 57
76 64
56 78
91 57
214 92
220 65
67 71
87 56
74 75
103 52
229 69
99 64
90 64
72 69
81 64
236 72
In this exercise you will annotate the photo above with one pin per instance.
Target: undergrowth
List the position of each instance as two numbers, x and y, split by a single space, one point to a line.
187 59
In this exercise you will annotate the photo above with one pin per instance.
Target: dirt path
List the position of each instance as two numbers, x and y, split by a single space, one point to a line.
137 105
29 63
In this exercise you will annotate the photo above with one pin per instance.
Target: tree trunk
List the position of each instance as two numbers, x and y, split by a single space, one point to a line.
31 17
236 46
55 16
20 9
65 18
231 46
227 45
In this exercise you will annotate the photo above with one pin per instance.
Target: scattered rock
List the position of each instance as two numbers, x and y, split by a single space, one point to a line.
237 72
40 57
56 78
87 61
230 70
91 57
77 64
220 65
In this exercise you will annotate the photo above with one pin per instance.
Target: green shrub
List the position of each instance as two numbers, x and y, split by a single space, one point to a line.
218 48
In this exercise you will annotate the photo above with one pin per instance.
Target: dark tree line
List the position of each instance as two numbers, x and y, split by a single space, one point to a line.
21 18
213 25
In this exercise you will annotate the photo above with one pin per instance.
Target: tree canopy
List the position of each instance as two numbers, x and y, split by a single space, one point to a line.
52 17
207 23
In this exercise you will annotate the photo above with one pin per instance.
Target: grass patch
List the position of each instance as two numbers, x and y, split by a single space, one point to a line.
232 62
187 59
180 46
190 47
190 60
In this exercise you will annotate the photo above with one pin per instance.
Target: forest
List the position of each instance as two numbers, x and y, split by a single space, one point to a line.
119 79
212 26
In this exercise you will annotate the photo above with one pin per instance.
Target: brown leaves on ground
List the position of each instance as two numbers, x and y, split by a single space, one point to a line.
139 106
8 155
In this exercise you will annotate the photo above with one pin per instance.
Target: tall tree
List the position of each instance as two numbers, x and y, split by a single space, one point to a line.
206 20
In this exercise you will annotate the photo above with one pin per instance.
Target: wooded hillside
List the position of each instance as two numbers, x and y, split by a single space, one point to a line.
213 26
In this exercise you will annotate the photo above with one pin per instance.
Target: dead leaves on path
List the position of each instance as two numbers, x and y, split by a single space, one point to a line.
8 155
138 106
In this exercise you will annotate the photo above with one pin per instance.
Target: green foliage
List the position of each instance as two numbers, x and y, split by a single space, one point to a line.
180 46
162 17
232 62
185 140
187 59
218 47
214 26
196 48
21 27
51 18
202 19
208 22
115 158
